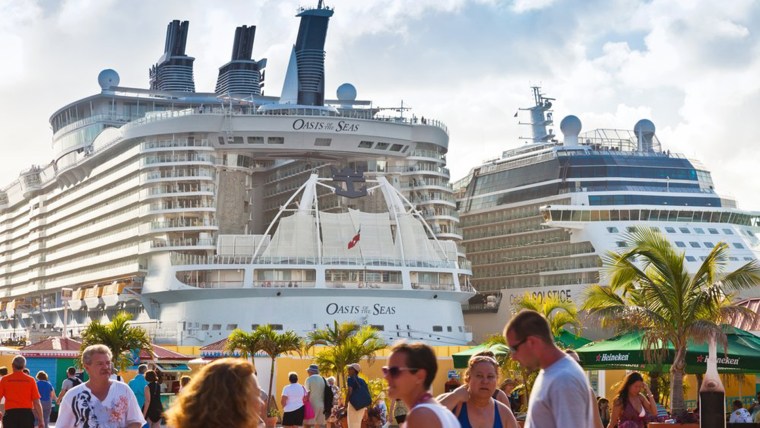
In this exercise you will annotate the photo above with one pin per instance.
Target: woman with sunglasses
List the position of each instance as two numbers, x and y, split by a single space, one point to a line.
410 372
473 403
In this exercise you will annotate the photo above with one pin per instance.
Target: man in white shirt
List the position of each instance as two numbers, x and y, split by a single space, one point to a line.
560 395
740 414
100 402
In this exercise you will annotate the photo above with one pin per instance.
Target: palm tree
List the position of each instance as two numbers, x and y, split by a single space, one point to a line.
650 289
344 343
558 313
268 341
119 336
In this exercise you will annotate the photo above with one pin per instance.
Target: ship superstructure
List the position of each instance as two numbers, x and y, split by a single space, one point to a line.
159 202
538 219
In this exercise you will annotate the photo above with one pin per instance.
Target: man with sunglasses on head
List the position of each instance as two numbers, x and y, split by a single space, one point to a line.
560 395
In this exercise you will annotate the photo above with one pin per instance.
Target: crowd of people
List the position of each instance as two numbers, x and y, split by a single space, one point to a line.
226 393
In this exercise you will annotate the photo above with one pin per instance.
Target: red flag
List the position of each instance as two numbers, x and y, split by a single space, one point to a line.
355 239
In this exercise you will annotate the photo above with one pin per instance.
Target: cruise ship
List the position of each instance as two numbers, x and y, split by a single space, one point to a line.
200 213
538 219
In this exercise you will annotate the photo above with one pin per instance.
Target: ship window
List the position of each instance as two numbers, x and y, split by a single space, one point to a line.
381 146
670 230
621 244
396 147
276 326
365 145
275 140
221 140
448 328
733 259
694 244
254 326
437 328
691 259
728 231
237 140
703 258
699 230
231 326
255 140
323 142
405 149
680 244
713 231
612 229
216 327
378 327
684 229
204 327
738 246
749 259
630 229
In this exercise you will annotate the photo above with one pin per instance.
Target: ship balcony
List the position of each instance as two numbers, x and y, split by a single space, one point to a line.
184 244
161 193
183 225
31 181
3 200
155 177
449 235
447 200
426 170
422 185
422 154
369 284
175 146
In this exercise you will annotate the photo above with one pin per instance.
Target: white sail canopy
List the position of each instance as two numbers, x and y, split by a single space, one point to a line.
296 237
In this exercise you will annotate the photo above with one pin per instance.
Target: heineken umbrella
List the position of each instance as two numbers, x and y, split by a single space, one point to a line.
625 352
462 358
566 339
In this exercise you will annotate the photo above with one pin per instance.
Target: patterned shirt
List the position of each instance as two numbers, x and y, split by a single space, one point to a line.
80 408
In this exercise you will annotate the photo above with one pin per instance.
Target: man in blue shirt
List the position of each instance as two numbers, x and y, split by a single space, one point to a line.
138 384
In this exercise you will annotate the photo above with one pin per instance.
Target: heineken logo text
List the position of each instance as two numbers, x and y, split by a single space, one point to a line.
612 357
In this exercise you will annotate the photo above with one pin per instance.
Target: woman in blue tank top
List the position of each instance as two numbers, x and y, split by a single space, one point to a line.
473 402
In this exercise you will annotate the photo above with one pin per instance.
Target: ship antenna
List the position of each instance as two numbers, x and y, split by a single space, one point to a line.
319 5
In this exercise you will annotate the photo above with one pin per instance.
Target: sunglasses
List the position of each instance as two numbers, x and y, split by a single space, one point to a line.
394 371
517 345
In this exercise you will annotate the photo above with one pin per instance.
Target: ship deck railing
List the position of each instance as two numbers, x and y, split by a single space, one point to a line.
179 259
667 189
151 117
328 284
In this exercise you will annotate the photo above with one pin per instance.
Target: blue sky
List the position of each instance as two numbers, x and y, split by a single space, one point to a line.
691 67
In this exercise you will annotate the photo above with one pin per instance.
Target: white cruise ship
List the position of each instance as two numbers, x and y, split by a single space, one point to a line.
538 219
179 207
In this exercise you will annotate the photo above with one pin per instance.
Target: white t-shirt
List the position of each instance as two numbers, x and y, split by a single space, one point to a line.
81 408
740 415
560 397
445 417
295 393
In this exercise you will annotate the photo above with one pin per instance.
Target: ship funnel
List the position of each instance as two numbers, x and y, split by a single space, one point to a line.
309 57
644 130
570 127
242 75
174 70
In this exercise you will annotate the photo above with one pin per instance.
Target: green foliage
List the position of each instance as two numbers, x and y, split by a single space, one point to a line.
558 313
651 290
119 336
267 340
343 344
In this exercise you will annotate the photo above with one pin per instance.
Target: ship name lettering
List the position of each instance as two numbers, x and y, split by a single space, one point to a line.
383 310
343 126
334 308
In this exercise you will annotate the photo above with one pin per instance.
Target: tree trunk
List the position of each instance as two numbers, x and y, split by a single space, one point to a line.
655 385
271 379
700 378
677 405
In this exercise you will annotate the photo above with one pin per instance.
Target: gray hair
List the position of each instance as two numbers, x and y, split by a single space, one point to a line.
95 349
332 378
19 362
142 368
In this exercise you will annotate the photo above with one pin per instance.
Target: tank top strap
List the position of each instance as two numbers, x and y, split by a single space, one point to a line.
496 415
463 418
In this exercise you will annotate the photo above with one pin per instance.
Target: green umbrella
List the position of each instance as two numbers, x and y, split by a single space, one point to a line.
565 339
462 358
625 352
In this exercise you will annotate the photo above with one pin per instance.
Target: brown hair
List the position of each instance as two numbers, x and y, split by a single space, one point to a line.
151 376
477 359
42 375
621 395
224 393
419 356
529 323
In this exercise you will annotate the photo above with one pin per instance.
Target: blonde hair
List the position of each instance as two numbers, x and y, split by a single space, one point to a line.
225 393
477 359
